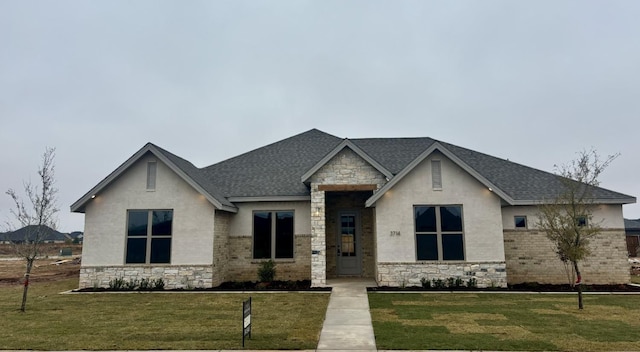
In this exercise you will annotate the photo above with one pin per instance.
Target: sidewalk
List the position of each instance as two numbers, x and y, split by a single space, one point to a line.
347 326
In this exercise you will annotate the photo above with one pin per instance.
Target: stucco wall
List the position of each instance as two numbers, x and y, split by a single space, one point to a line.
608 216
106 217
482 217
241 223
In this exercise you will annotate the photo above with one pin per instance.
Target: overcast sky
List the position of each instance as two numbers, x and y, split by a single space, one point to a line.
534 82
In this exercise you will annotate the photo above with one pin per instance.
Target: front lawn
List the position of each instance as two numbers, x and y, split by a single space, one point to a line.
487 321
141 321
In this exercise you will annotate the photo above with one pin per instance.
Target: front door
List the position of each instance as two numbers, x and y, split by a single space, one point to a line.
348 243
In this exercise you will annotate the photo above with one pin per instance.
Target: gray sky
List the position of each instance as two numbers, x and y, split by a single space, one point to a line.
534 82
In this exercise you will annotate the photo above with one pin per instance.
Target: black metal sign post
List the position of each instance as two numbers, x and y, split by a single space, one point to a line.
246 320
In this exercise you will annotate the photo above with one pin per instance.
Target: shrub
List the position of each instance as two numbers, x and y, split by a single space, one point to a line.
426 283
439 283
458 282
158 284
472 283
131 284
267 271
117 283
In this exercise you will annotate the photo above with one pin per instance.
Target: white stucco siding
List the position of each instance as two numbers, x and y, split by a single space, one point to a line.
608 216
242 223
482 218
106 217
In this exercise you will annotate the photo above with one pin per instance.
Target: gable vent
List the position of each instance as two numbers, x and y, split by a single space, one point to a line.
436 174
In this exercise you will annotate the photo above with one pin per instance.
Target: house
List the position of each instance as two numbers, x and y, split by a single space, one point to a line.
30 234
632 230
393 209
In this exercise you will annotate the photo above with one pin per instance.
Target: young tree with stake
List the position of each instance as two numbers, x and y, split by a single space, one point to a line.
37 212
567 220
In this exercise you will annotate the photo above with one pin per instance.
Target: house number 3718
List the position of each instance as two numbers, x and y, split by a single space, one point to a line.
395 233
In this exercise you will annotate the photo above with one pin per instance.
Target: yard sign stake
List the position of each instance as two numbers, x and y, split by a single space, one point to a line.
246 320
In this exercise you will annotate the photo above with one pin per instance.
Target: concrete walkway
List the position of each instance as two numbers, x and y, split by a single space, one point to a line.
347 326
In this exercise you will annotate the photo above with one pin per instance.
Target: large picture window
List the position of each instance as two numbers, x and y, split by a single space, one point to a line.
149 236
439 232
272 234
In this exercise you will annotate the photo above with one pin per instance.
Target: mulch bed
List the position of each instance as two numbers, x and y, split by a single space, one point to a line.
525 287
232 286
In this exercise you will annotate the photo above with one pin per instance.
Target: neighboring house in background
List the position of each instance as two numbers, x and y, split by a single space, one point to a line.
632 229
393 209
75 237
28 233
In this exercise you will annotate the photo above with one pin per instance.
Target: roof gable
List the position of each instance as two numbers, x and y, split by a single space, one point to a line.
437 146
345 144
184 169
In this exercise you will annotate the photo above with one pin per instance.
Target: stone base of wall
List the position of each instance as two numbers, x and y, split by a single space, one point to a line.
530 257
185 277
242 266
492 274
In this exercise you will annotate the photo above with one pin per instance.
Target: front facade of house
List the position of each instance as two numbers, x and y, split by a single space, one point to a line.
397 210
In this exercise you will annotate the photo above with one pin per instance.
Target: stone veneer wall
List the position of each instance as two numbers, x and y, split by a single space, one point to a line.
530 257
242 267
346 168
220 243
410 274
174 276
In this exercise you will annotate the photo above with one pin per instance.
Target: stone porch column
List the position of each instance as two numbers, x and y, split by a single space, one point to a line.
318 238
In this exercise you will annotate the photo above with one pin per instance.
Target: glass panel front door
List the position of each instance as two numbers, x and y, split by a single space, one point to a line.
348 241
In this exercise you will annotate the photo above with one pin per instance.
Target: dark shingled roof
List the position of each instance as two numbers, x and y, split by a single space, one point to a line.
632 226
29 233
275 170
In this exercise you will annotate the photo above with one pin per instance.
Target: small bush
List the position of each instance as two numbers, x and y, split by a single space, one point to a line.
158 284
117 284
426 283
267 271
131 285
458 282
439 283
451 282
472 283
145 284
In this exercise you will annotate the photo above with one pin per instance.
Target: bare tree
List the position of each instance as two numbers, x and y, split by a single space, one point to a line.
567 220
36 216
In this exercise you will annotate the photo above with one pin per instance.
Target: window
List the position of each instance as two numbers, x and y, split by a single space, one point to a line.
439 234
582 221
436 175
149 236
520 222
272 234
152 166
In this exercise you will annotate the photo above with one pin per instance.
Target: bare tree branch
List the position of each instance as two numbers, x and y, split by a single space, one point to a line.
36 218
568 220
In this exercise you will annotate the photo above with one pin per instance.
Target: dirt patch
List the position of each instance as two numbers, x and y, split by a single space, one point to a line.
44 270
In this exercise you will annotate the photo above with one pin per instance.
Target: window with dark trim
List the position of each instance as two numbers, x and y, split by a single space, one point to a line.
520 222
439 232
581 221
272 234
149 236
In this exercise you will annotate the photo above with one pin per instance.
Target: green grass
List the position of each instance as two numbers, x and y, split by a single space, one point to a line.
139 321
526 322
